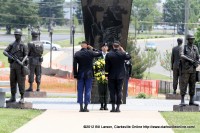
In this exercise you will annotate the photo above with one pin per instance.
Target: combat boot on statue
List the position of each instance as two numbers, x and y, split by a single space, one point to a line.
12 99
38 87
30 88
174 91
191 102
21 99
182 100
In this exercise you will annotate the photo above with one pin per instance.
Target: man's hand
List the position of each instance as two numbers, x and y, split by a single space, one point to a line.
89 47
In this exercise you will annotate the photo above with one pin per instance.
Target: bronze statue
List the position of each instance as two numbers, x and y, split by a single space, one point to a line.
189 61
35 51
17 54
175 63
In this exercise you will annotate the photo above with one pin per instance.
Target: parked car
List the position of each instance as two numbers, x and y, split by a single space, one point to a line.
47 45
150 46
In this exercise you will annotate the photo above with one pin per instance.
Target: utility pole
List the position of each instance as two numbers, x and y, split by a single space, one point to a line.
71 22
186 17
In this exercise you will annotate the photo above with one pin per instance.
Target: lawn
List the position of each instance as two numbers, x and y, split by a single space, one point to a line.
183 119
12 119
155 76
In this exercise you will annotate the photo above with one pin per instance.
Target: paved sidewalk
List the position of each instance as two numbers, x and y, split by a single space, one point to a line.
62 116
72 121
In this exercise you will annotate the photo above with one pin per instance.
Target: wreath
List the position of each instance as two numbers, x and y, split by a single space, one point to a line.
99 71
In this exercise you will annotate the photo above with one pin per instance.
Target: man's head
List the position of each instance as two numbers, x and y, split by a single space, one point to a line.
104 47
116 45
179 41
18 34
190 38
34 34
84 44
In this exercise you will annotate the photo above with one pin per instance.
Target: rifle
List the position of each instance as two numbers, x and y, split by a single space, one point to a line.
15 58
194 62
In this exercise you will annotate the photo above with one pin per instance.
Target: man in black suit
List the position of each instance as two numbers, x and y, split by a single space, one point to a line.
175 63
116 72
103 87
84 59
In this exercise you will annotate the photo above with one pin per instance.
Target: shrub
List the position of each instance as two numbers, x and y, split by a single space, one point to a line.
142 96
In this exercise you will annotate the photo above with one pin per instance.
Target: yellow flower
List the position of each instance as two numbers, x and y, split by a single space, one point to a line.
103 77
94 67
98 63
98 78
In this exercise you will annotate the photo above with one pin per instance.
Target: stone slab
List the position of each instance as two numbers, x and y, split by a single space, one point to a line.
187 108
2 99
35 94
26 105
173 96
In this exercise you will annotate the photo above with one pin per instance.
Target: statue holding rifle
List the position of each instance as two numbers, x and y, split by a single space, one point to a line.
189 62
17 54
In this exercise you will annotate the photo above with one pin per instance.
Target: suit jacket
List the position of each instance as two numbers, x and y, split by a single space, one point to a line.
115 64
84 60
175 57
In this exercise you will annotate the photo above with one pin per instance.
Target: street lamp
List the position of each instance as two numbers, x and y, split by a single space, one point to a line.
51 33
73 32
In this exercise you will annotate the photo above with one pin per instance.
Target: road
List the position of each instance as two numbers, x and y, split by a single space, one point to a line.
56 37
162 44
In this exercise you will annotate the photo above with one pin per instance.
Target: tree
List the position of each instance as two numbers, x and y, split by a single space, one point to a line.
18 14
174 12
79 12
144 11
197 38
165 61
138 62
151 57
52 11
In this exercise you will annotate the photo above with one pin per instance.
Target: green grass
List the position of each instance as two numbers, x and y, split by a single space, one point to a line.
12 119
155 76
183 119
66 43
4 43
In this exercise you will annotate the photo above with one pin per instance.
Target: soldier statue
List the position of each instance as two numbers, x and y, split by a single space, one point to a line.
17 54
35 51
175 63
189 61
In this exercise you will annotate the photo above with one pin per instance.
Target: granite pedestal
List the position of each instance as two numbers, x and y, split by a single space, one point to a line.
173 96
17 105
35 94
187 108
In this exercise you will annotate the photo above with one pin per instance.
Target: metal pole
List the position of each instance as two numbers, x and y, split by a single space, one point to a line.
51 33
186 17
71 22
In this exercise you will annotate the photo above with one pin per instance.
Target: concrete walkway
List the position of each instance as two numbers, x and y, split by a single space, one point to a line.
72 121
62 116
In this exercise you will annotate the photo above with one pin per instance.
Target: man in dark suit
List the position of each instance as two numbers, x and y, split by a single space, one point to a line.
175 63
116 72
84 60
103 87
